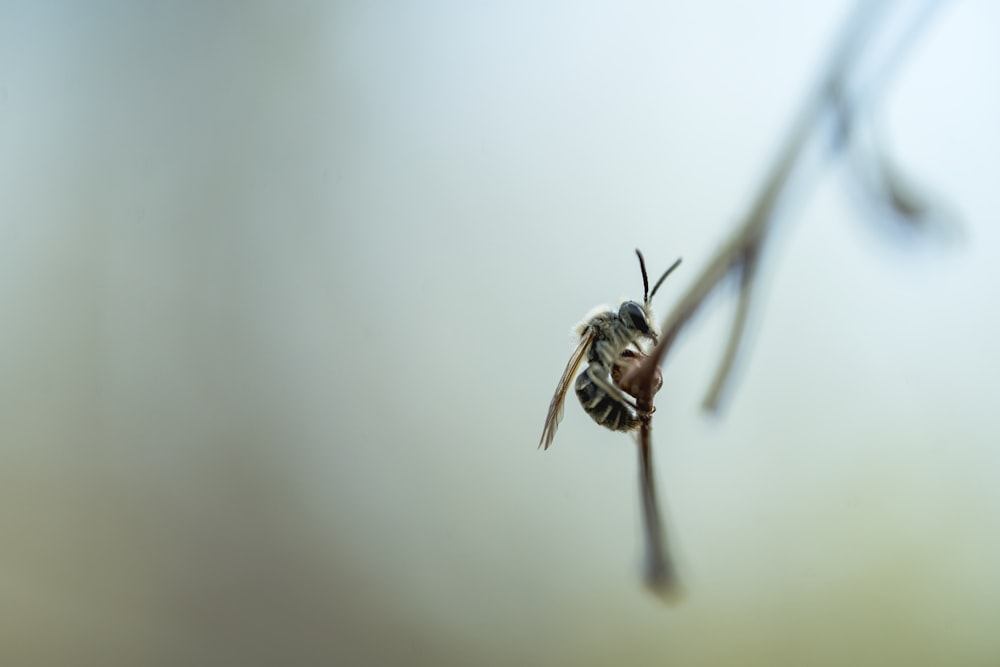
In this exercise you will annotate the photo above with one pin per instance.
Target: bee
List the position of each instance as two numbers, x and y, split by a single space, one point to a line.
609 341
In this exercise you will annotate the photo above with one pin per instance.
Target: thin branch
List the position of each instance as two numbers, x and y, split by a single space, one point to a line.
835 101
842 84
660 573
748 271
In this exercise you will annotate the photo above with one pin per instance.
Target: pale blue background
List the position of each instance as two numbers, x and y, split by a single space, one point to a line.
285 290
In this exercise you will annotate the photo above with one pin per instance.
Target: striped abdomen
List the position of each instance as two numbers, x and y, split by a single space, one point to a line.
601 407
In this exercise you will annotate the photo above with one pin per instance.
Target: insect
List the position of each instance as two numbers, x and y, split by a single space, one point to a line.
607 342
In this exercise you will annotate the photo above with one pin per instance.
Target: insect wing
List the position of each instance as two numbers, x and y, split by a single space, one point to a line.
556 406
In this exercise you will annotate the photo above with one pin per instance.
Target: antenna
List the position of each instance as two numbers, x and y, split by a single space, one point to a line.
662 278
645 278
647 296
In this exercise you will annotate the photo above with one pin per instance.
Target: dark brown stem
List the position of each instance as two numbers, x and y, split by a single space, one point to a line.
835 102
660 573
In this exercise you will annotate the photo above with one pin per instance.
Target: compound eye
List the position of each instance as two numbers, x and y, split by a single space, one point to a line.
633 315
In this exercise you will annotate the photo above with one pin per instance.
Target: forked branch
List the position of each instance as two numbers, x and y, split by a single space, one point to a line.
871 44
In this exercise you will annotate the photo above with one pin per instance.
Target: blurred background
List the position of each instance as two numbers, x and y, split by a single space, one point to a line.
285 289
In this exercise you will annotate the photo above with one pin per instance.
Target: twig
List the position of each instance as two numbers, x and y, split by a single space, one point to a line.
839 96
660 573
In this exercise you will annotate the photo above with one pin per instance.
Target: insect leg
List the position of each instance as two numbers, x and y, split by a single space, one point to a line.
598 374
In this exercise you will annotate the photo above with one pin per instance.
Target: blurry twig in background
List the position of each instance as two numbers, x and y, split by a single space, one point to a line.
871 45
873 41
